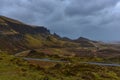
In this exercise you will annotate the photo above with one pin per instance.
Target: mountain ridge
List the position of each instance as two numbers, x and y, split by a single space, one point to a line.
16 36
19 27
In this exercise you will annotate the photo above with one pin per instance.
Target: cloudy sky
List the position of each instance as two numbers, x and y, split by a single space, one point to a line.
94 19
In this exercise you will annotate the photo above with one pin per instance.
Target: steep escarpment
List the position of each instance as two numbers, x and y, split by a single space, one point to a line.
7 24
16 36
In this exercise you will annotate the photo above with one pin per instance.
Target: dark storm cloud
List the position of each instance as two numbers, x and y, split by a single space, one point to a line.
87 7
95 19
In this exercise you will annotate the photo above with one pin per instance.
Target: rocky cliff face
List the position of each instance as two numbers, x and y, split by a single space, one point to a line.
8 26
16 36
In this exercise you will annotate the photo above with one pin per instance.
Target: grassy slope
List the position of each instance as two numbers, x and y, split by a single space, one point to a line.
12 68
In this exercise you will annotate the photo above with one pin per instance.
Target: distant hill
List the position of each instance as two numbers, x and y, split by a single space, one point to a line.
85 42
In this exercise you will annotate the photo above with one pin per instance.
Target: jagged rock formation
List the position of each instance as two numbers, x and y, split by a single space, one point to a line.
15 35
14 26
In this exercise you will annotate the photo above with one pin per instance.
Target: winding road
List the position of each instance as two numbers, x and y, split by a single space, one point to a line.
103 64
49 60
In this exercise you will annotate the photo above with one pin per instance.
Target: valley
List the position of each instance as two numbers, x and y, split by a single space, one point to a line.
30 52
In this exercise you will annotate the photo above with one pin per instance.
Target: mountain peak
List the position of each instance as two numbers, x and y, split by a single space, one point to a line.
82 39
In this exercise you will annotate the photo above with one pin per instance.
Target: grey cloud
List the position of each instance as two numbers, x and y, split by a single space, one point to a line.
95 19
87 7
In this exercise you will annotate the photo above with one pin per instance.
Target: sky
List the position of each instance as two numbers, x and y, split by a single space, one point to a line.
93 19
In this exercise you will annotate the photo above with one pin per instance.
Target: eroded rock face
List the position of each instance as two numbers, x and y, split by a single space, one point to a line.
13 34
11 25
